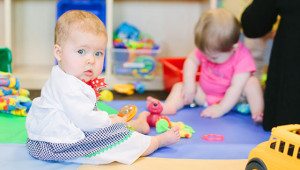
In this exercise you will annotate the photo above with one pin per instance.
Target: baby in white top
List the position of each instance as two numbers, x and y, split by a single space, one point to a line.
63 124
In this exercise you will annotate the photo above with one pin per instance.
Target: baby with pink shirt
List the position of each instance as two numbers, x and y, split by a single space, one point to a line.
227 69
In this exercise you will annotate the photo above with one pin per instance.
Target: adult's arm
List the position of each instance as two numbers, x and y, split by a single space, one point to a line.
259 17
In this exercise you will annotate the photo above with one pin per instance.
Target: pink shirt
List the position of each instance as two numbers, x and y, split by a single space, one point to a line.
215 79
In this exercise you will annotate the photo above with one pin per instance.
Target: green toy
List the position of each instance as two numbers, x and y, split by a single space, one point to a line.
5 60
163 125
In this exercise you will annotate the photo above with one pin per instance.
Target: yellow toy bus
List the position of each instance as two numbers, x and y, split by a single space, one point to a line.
281 151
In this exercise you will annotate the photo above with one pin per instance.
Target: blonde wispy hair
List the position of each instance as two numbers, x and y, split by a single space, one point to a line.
80 20
217 30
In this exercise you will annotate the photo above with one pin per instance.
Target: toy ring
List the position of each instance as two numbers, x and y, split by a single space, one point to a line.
128 111
213 137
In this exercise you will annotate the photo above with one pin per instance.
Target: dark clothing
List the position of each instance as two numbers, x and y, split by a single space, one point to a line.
282 93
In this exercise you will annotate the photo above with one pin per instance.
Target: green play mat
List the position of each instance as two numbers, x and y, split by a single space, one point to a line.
12 128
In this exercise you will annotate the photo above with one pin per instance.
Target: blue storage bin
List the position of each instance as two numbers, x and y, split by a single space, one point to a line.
97 7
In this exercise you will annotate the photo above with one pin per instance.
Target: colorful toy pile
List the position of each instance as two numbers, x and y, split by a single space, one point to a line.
13 99
135 52
162 123
129 37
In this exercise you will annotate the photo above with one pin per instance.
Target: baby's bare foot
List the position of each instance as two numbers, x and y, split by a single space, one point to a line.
170 137
150 100
257 118
142 124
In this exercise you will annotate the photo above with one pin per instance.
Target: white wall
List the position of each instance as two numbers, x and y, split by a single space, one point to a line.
236 6
33 31
171 23
1 23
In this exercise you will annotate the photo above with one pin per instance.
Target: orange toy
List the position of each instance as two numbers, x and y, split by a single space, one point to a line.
128 111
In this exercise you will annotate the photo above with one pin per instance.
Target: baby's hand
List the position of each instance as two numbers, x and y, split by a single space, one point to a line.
117 119
213 111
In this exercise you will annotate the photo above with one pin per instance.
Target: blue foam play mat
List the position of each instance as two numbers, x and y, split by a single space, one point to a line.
240 133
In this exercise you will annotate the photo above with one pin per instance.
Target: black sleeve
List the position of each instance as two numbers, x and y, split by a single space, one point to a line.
259 17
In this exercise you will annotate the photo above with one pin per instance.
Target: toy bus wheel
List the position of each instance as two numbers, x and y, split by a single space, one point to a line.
256 164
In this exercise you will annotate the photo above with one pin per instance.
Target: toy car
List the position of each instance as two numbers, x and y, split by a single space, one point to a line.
281 151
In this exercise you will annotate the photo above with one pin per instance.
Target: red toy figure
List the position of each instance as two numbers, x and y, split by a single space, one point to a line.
97 84
155 108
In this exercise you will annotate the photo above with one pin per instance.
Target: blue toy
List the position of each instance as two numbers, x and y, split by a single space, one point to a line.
139 87
129 37
127 31
242 108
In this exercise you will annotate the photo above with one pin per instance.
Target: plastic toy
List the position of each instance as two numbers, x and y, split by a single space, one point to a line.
263 78
13 99
128 111
147 71
281 151
16 105
5 60
130 37
4 91
129 88
127 31
242 108
106 95
155 108
8 80
213 137
139 87
163 125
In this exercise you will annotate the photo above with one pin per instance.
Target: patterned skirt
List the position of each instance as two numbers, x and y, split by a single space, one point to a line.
93 143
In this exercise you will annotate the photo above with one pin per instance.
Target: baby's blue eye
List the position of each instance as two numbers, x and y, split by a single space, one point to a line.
99 53
81 51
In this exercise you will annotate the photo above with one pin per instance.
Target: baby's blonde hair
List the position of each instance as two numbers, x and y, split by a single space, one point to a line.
217 30
80 20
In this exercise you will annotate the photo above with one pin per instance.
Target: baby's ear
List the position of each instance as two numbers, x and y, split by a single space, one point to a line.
57 52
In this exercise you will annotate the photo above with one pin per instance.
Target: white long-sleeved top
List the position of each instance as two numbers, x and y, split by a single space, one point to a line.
64 110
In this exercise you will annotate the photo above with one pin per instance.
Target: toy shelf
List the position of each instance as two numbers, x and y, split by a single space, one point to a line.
27 28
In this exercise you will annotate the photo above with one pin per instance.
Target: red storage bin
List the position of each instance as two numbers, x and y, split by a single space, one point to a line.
173 71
